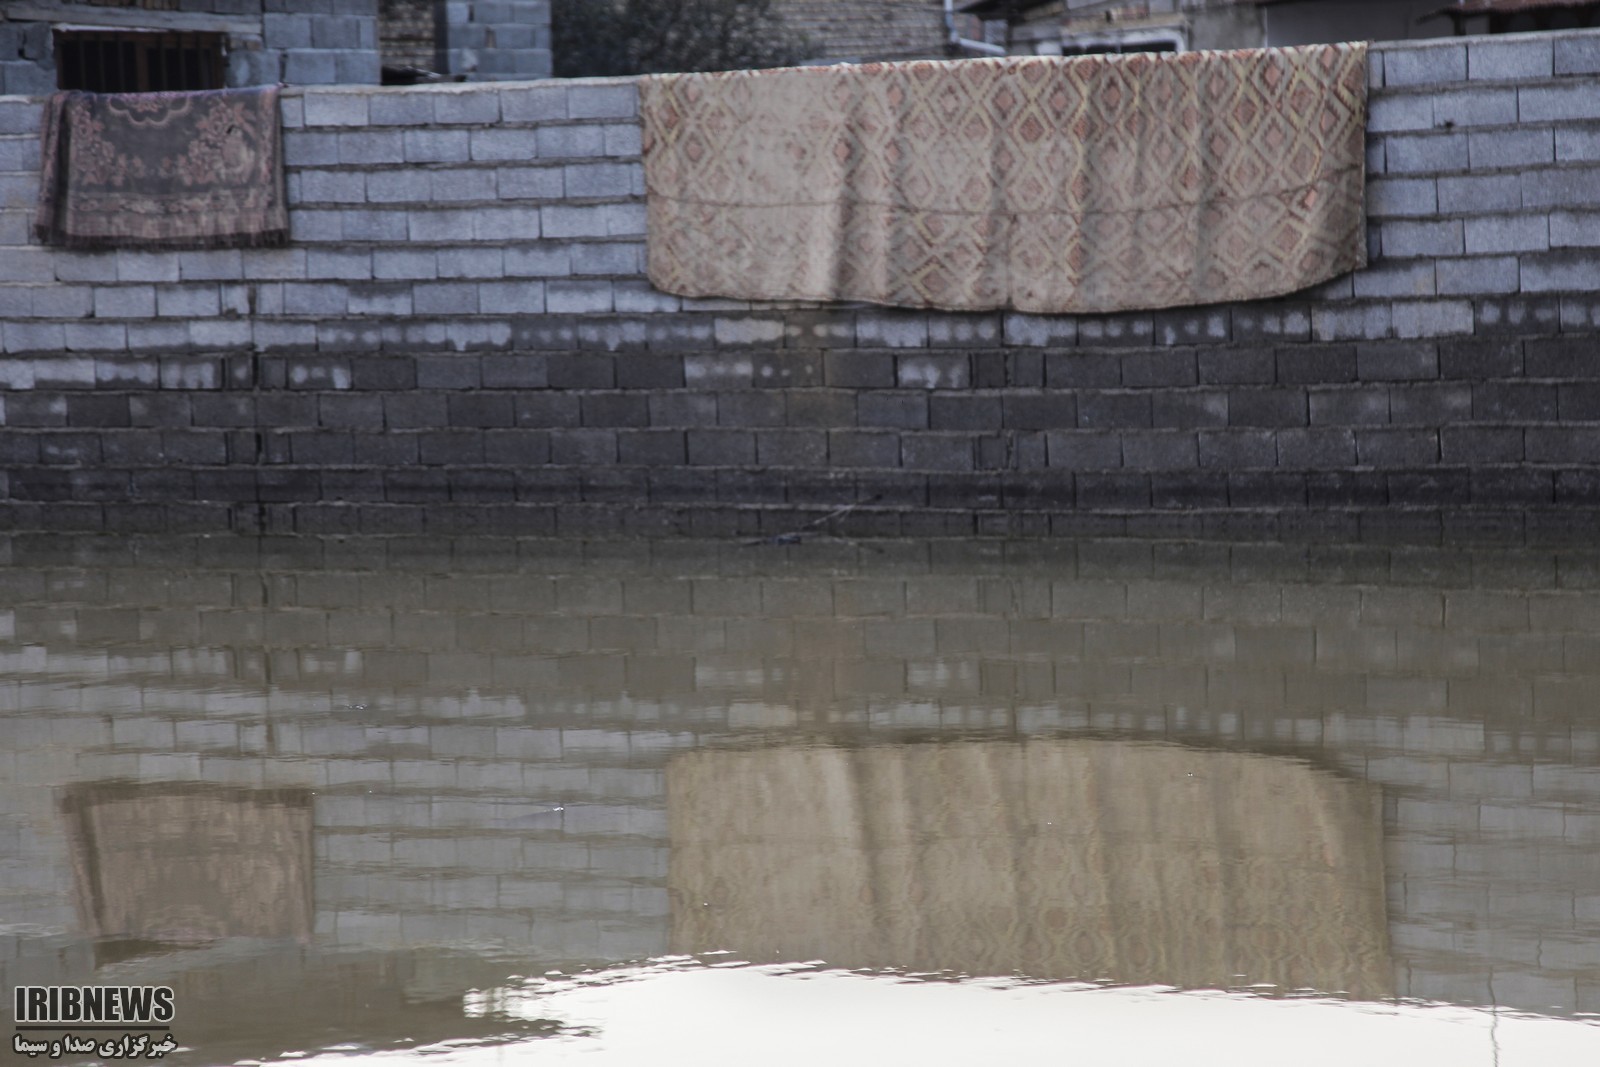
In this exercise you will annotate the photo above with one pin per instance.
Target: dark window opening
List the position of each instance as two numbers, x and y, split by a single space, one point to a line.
1519 16
1577 17
138 62
1116 48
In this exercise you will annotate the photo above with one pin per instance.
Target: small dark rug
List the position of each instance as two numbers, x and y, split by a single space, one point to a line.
162 170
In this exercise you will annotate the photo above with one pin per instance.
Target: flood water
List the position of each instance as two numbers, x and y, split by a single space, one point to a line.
499 801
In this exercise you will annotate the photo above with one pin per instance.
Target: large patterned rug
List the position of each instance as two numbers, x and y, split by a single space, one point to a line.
162 170
1094 184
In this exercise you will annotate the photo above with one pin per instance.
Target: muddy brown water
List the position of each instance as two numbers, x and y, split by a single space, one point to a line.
349 797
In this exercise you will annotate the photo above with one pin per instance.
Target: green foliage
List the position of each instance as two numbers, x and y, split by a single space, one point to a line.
592 38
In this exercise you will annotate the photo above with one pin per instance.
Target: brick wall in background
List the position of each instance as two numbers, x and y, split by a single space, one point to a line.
406 35
462 335
866 29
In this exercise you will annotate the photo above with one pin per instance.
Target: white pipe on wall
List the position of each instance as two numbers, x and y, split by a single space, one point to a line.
965 42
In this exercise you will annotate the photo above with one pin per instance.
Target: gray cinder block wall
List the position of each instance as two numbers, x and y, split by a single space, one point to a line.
462 335
315 42
26 62
493 40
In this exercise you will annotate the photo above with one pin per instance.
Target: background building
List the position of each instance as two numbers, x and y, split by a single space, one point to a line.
1075 27
140 45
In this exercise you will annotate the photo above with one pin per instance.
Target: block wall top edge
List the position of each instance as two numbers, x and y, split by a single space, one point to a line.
1424 43
1415 44
455 88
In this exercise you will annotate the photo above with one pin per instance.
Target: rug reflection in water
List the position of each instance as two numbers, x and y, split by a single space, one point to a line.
1080 858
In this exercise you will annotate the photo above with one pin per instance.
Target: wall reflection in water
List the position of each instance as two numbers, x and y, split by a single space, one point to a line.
1369 769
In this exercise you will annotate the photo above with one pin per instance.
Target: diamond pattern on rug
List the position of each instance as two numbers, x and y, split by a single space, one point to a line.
1093 184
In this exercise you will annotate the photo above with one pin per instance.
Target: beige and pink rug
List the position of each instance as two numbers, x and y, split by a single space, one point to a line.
1095 184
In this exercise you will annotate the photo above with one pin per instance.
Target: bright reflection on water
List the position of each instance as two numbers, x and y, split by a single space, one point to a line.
668 1012
497 801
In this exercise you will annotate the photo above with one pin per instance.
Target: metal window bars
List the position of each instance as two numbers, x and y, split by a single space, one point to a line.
138 61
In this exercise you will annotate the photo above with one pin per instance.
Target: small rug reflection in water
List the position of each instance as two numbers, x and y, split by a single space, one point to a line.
190 862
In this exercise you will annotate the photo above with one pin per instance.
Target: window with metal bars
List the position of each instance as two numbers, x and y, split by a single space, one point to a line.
137 61
1101 48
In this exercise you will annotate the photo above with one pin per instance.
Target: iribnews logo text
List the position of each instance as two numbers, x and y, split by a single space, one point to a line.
40 1006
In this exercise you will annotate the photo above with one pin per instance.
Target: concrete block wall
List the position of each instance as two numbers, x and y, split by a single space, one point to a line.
462 334
26 64
494 40
486 724
318 42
